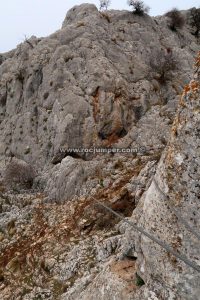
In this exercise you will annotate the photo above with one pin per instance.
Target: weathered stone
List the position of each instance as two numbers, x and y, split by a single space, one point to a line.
91 84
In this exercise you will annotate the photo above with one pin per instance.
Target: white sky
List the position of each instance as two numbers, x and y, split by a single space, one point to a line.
42 17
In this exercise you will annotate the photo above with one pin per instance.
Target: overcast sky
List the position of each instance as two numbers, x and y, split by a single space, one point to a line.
42 17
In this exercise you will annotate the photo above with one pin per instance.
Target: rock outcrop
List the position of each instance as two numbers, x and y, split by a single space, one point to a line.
95 83
177 176
90 84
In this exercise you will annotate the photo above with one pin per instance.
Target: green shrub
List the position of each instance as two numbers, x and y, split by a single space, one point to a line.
138 280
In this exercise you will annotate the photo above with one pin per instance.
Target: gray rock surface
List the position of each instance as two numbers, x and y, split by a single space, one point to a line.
177 175
91 84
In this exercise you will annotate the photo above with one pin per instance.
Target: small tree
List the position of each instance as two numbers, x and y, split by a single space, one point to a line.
163 62
139 8
176 19
104 4
194 19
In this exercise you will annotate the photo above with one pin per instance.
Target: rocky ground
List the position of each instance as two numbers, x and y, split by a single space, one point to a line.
96 83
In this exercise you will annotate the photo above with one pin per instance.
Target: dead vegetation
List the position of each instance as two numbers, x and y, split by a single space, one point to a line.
176 19
163 62
194 21
19 174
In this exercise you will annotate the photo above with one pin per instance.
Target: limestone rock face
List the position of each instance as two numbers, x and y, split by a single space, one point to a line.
177 176
90 85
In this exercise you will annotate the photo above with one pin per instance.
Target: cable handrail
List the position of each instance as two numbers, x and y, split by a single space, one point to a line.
168 248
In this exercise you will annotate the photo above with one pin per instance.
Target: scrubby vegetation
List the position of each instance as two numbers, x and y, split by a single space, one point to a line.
176 19
139 8
138 280
19 174
194 20
163 62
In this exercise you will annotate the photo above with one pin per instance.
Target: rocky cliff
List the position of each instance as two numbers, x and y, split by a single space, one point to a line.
170 207
103 80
